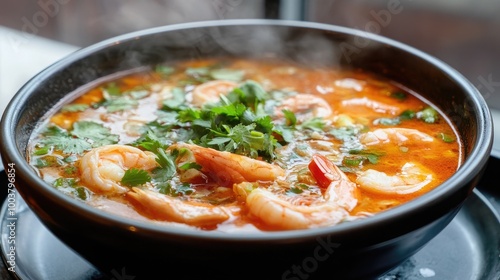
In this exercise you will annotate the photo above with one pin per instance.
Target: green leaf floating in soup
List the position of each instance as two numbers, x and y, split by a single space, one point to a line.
246 145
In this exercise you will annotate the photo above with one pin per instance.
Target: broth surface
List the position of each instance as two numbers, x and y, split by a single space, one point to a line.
246 145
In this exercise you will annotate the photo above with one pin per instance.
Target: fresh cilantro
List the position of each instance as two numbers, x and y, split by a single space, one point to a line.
344 133
67 144
167 117
291 119
446 137
115 100
95 132
315 123
161 175
164 70
84 136
40 151
197 71
353 160
237 123
64 182
212 72
74 108
184 189
230 110
404 116
190 165
388 121
69 186
177 100
48 161
54 130
112 89
250 94
120 104
372 157
70 170
135 177
399 95
285 132
428 115
70 158
241 139
297 189
227 74
138 93
407 115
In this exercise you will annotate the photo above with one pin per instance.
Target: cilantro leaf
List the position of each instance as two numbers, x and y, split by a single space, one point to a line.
387 121
164 70
315 123
372 157
407 115
291 119
111 89
446 137
227 74
120 104
67 144
399 95
97 133
428 115
74 108
176 102
135 177
344 133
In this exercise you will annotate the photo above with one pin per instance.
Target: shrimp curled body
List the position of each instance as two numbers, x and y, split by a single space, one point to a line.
397 136
211 91
305 106
103 168
339 199
227 168
164 207
410 179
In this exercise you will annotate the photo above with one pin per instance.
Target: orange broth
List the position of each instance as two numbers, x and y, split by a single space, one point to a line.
125 107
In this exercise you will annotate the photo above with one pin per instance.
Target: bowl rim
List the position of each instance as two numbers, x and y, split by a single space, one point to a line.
470 167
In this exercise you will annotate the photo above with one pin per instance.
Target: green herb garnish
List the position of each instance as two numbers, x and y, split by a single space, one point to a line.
428 115
135 177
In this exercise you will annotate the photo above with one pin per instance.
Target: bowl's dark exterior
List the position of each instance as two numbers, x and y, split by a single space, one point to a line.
360 249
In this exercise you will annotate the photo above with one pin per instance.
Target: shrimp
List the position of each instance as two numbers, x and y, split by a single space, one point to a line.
306 106
164 207
211 91
227 168
394 135
275 211
412 178
103 168
376 106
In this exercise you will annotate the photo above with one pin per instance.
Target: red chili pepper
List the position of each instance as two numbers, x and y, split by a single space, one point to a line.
323 170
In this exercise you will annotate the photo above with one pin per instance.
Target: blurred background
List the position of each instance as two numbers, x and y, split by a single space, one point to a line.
463 33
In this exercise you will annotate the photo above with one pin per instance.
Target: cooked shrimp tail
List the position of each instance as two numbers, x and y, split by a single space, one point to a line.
227 168
278 212
163 207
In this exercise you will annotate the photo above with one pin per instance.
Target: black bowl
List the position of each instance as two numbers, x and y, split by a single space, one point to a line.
359 249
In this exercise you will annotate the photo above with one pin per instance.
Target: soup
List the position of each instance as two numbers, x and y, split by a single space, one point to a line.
245 145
